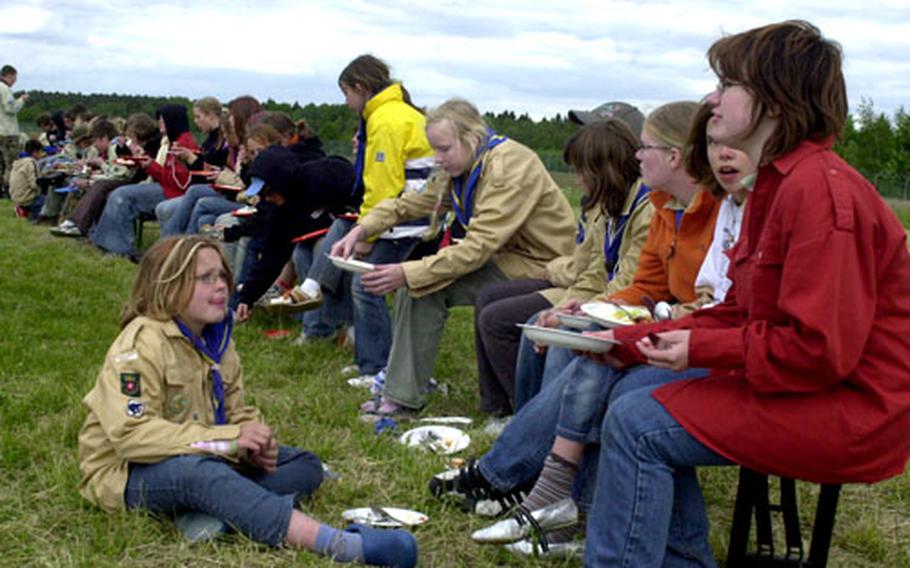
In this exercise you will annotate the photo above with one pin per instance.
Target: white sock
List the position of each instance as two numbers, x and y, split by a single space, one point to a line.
310 287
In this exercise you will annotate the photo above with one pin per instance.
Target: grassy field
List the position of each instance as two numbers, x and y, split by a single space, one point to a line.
59 304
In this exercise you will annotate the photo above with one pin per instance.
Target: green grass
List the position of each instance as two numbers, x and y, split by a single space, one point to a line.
59 305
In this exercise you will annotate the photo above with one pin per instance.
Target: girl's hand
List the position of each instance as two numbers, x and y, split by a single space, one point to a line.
362 248
267 458
671 352
384 279
603 358
345 247
242 313
254 437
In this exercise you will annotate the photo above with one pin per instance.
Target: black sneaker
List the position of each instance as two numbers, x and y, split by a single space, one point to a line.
472 487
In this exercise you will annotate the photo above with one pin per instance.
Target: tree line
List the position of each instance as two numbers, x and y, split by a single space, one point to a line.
874 143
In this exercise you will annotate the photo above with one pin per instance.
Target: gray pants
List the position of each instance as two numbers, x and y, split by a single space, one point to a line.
418 325
9 151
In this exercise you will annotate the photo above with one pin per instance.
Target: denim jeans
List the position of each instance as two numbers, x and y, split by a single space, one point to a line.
114 231
571 403
335 311
648 508
174 217
207 210
533 369
256 503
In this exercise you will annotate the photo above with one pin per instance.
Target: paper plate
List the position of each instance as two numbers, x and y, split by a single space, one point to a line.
351 264
611 315
576 322
459 420
203 173
223 187
442 440
125 162
567 339
386 517
244 212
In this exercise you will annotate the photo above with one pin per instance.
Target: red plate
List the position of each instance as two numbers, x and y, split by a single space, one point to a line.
275 333
243 212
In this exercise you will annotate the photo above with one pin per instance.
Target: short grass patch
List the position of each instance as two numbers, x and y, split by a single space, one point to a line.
59 307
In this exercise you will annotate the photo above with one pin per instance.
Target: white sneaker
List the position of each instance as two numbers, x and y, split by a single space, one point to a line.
67 224
495 426
350 371
362 382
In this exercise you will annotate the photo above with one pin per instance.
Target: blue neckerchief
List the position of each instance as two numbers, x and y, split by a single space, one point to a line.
214 342
360 161
679 216
613 238
582 221
463 194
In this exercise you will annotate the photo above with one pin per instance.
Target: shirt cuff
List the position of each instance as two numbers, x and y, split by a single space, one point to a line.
717 347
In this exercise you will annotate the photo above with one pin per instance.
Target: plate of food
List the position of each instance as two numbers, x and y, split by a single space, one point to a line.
613 315
352 264
438 439
125 162
247 211
385 517
567 339
576 321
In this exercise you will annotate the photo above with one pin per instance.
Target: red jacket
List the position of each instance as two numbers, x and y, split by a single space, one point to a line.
810 352
173 176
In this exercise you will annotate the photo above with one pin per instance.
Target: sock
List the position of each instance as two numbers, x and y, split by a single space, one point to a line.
310 287
338 545
554 483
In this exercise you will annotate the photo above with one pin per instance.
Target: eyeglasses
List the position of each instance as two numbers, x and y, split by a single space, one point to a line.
212 277
725 84
644 147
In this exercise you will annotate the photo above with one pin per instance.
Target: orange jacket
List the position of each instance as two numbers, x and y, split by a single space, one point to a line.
671 257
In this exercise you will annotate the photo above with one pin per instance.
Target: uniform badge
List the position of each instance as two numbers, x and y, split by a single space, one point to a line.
380 156
129 384
177 404
135 408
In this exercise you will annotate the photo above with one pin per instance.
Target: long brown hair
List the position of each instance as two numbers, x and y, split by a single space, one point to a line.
166 277
371 74
792 72
242 108
603 154
697 164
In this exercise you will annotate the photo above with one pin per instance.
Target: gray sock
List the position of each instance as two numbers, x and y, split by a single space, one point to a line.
338 545
554 483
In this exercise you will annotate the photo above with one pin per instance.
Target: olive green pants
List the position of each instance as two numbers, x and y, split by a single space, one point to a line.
418 325
9 151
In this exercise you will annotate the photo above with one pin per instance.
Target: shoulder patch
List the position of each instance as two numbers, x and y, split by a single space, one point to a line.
135 408
130 384
380 156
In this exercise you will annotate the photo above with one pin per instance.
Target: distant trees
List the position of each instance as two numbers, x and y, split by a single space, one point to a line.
873 143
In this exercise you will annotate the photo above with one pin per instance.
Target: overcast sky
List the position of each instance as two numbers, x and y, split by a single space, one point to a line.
541 58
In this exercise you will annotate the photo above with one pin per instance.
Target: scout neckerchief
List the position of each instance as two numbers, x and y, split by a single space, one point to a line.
361 157
582 220
615 228
463 193
214 342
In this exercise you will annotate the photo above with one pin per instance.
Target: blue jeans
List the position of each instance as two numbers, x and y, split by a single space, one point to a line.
532 369
372 322
571 403
114 231
648 508
335 311
256 503
174 217
207 210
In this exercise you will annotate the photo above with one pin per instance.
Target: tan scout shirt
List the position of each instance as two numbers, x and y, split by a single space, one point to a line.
152 399
521 220
585 276
23 181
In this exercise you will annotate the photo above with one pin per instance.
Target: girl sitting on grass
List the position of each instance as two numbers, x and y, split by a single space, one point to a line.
168 430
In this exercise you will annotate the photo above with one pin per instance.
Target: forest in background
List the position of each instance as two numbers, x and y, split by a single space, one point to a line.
874 143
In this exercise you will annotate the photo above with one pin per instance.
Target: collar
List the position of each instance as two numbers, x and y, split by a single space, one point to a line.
389 94
630 198
663 200
785 163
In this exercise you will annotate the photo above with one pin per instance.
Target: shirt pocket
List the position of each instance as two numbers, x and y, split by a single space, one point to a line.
179 390
767 271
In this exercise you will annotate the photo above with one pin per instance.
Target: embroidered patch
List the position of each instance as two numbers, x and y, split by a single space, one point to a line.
177 404
129 384
135 408
380 156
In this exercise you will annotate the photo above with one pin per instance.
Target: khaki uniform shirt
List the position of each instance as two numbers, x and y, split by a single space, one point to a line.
151 401
23 181
521 220
585 274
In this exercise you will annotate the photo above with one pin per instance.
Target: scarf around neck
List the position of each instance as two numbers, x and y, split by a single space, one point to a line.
463 191
216 337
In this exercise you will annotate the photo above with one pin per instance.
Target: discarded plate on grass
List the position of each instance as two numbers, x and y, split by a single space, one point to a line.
385 517
442 440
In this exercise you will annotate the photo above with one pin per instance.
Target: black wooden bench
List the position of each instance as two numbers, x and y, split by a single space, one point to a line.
752 497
